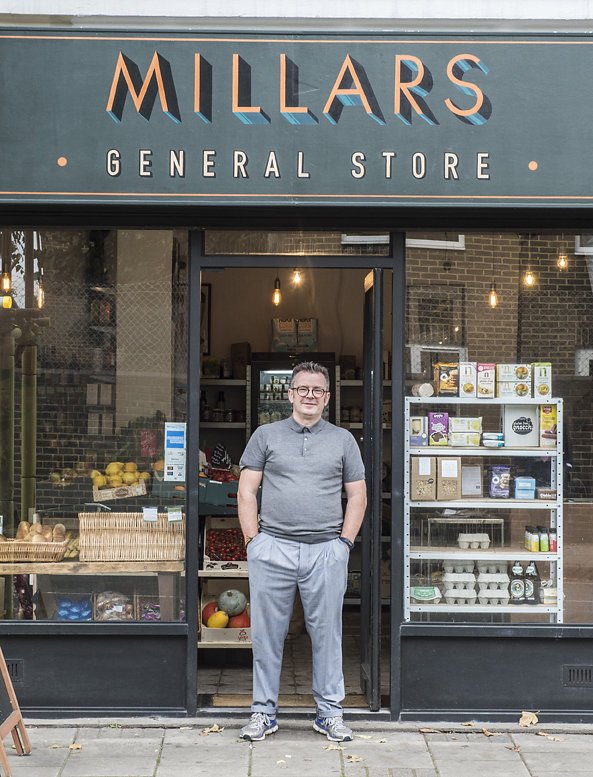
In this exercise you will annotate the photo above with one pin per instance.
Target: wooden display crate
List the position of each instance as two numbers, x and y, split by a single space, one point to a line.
223 524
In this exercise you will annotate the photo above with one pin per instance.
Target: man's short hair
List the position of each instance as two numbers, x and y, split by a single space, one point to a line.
310 367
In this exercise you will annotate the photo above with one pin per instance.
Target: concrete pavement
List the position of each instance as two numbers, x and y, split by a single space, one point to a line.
165 748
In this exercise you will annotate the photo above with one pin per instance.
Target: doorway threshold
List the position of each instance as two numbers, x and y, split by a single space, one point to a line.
295 713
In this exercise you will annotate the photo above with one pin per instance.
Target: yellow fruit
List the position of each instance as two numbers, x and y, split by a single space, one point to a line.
95 474
99 481
144 476
112 468
130 466
114 482
129 478
219 620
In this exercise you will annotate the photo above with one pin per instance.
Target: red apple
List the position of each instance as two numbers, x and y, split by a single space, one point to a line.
208 610
240 621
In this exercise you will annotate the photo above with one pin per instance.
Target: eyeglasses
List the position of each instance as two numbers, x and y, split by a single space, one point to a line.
303 391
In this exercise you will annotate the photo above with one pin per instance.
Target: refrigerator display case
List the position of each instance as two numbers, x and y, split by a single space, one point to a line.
270 376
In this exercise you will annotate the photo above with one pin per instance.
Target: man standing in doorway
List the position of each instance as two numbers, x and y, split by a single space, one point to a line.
302 541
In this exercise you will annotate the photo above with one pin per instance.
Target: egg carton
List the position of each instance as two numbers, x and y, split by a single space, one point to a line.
473 541
496 581
494 597
458 567
492 567
459 580
456 596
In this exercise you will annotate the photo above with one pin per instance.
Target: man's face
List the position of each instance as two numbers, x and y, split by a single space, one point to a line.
308 410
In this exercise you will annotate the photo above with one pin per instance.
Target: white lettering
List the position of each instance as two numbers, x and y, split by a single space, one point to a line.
208 164
483 166
177 163
358 171
451 161
113 162
239 163
389 156
418 165
301 172
145 163
272 166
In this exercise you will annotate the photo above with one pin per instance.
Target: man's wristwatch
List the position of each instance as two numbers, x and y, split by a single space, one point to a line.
347 542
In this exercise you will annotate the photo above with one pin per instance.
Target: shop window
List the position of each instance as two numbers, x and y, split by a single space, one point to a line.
583 243
97 352
289 243
435 240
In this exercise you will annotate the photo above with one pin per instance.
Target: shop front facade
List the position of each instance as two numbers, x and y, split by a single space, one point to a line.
189 215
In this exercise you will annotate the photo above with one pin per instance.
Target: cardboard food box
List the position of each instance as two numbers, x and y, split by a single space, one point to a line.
211 590
521 426
464 439
418 431
468 379
548 426
486 380
448 478
513 388
224 546
423 486
438 428
457 424
542 379
524 487
511 372
471 481
446 378
547 494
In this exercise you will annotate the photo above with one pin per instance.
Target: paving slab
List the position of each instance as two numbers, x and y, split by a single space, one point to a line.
577 763
554 742
105 766
478 752
468 769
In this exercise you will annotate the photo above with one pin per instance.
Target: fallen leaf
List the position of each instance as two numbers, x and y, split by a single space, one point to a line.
115 725
429 731
487 733
353 759
333 747
75 746
467 723
364 736
287 756
214 729
55 747
548 736
185 728
528 719
281 762
514 748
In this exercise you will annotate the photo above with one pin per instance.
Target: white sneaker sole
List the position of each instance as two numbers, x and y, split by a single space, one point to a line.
331 739
272 730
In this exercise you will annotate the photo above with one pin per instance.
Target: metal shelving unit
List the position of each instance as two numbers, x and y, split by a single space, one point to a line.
415 553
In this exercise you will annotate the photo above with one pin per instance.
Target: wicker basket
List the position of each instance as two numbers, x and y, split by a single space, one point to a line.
13 550
128 537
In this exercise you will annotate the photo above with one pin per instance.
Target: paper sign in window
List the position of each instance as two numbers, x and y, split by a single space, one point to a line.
449 468
424 467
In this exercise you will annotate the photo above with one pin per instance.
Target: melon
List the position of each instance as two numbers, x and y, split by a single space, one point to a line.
232 602
218 620
208 610
240 621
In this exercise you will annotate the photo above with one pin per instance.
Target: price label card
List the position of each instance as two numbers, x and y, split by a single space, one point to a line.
149 513
174 514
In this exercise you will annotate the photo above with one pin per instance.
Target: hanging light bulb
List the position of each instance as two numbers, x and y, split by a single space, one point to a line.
40 295
529 278
493 296
297 278
277 296
7 302
6 282
562 262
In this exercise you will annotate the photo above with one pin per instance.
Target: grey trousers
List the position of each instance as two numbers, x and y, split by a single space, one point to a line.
277 567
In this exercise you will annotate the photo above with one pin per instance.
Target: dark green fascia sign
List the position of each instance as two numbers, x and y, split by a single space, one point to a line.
353 120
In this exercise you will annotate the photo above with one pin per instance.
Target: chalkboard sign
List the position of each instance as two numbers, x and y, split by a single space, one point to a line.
12 719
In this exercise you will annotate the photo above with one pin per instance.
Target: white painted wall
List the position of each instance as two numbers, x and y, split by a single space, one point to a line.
385 14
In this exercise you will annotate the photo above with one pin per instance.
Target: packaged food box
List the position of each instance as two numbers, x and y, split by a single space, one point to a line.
499 486
471 481
284 334
513 372
458 424
425 594
524 487
542 379
548 426
513 388
468 383
307 334
493 581
493 443
492 567
494 597
438 428
423 487
418 431
460 581
458 567
454 596
521 426
448 478
498 436
549 494
464 439
446 378
486 380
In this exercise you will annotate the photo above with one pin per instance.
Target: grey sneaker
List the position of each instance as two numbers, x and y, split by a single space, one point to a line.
258 727
333 728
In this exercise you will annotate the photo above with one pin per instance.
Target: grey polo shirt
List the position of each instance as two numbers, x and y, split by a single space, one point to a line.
304 472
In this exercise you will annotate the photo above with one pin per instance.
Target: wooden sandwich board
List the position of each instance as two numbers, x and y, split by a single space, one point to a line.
13 722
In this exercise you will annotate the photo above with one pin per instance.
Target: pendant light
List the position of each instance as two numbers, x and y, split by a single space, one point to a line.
277 295
529 278
493 296
6 287
5 282
562 259
40 292
297 277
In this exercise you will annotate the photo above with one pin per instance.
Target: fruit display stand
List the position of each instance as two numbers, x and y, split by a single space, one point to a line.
222 637
223 545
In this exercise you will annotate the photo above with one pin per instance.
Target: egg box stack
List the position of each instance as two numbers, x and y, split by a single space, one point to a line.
224 611
460 581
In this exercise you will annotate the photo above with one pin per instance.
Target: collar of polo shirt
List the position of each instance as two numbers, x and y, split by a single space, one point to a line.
296 427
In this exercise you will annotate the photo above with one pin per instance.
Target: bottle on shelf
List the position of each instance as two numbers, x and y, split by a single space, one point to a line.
517 584
204 407
553 541
220 404
544 539
532 584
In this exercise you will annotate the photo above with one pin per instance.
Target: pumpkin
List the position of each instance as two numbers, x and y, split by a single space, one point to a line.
232 602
